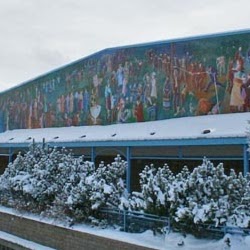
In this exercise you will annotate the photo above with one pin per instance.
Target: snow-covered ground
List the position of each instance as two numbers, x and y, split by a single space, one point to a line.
170 241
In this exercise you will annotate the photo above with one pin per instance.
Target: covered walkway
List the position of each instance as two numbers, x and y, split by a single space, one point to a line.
218 137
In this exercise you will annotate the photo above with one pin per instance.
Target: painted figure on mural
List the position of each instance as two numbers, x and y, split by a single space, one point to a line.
45 103
125 86
67 103
213 78
164 63
147 88
237 98
68 81
95 108
7 125
30 115
221 65
139 67
126 70
58 105
109 67
67 120
113 81
76 119
80 101
40 111
86 101
151 111
167 94
246 87
96 84
108 98
124 113
176 90
62 110
71 102
24 115
230 76
75 102
138 111
95 111
120 76
191 76
183 69
153 93
35 119
201 77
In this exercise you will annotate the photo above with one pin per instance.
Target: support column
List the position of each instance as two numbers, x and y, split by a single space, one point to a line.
128 172
93 154
180 154
246 159
10 155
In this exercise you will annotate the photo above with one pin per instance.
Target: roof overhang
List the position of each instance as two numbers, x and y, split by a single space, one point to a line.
226 129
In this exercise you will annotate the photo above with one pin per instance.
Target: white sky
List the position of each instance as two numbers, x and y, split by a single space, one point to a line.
39 36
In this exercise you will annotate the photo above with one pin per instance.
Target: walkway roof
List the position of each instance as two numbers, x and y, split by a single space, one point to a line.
199 130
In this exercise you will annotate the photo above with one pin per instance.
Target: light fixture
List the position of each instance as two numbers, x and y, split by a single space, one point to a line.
206 131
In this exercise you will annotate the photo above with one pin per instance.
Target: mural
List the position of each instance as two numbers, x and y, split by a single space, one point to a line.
199 76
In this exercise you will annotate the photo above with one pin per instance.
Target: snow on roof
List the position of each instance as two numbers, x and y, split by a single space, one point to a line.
209 126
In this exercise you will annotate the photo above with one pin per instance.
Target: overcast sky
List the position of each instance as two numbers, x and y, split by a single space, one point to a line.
38 36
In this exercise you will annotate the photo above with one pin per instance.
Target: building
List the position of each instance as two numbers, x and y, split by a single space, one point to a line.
175 101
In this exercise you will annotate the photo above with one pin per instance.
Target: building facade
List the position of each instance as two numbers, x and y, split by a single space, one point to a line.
198 76
146 82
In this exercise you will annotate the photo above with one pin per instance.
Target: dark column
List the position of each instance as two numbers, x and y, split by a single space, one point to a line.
10 155
128 172
93 154
246 159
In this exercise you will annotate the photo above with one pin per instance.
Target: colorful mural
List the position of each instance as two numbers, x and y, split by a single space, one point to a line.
199 76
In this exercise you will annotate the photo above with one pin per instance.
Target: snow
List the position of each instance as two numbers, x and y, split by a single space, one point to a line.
107 189
220 126
21 242
169 241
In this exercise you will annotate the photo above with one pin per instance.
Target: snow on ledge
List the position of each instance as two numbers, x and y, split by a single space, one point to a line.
22 242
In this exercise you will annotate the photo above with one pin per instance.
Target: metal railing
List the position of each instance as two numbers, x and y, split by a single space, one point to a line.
228 229
133 221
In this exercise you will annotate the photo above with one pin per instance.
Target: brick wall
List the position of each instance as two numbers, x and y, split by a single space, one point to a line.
59 237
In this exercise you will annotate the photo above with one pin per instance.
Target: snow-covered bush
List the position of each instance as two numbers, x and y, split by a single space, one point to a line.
211 196
88 190
74 198
154 195
203 190
241 215
206 195
177 191
108 187
55 183
38 177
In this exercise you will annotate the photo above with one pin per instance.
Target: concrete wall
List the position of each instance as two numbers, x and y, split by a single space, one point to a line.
58 237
